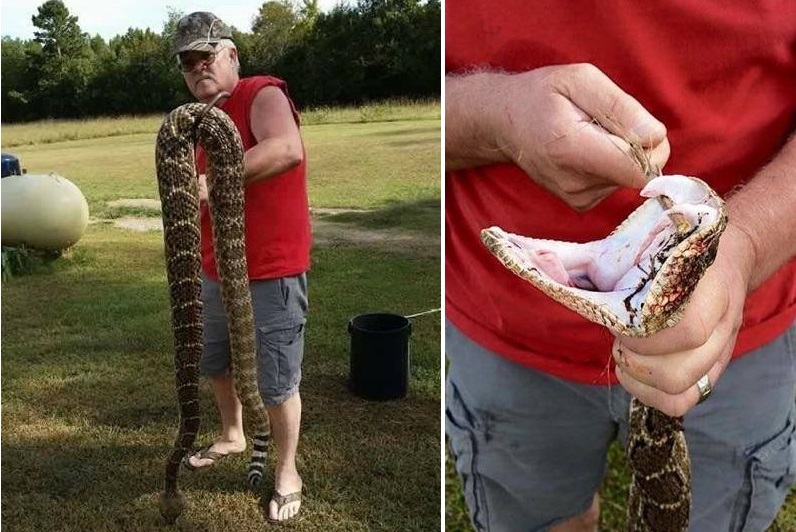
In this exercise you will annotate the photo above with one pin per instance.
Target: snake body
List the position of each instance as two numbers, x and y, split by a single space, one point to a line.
659 265
177 184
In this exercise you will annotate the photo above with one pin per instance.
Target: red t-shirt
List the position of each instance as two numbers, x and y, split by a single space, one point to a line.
720 76
276 209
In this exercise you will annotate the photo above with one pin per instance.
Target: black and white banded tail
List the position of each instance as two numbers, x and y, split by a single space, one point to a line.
258 458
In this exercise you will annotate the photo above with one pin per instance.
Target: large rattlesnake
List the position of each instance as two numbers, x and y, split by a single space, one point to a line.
635 282
177 183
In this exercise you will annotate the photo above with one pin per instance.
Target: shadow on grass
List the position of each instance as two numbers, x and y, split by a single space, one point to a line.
89 410
406 143
368 463
97 485
433 128
421 216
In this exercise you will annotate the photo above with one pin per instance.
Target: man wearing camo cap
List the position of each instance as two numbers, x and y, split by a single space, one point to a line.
277 250
199 31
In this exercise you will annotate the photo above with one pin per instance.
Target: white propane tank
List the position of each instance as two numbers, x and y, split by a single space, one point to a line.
42 211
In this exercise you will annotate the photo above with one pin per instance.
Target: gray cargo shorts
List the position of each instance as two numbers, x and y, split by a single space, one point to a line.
280 312
530 448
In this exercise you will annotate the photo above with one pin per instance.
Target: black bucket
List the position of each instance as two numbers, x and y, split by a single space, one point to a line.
379 356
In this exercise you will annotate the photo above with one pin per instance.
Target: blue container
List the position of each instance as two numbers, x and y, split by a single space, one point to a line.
10 165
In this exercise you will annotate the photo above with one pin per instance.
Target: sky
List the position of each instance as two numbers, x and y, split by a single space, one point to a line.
110 18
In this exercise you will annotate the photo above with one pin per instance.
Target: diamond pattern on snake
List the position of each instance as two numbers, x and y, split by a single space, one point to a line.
177 183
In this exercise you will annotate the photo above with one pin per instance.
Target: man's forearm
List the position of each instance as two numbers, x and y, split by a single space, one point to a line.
765 210
469 138
271 158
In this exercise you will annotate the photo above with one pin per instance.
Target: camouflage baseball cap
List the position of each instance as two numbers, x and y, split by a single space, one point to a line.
199 31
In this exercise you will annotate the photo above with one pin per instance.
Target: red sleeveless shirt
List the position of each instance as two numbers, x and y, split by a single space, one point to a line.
720 76
276 209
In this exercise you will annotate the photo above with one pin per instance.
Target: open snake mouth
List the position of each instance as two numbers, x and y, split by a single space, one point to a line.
636 280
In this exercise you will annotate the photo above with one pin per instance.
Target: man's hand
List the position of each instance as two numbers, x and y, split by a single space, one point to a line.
563 125
661 371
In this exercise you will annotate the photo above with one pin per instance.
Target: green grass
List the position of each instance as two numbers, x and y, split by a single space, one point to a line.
51 131
350 164
22 260
613 497
137 212
89 409
418 216
375 112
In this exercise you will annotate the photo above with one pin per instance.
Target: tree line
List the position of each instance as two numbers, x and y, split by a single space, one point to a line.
371 50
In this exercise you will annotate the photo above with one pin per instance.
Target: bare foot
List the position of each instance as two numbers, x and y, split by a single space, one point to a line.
287 497
220 448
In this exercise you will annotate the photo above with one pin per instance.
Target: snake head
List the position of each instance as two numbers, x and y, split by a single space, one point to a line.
637 280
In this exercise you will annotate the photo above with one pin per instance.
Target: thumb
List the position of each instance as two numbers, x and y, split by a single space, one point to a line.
599 97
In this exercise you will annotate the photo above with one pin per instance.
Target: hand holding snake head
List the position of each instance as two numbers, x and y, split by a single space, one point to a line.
662 370
568 126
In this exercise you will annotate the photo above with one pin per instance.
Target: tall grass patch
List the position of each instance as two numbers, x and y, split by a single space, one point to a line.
50 131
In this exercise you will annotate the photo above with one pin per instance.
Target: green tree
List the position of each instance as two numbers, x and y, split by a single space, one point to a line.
371 50
273 33
19 83
59 33
326 67
172 17
63 66
138 76
374 50
308 13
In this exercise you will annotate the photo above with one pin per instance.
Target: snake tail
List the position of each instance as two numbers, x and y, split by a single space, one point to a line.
258 458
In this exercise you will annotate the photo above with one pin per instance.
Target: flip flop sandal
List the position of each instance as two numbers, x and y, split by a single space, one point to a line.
281 501
203 454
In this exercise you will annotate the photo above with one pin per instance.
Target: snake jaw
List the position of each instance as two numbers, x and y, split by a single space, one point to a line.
637 280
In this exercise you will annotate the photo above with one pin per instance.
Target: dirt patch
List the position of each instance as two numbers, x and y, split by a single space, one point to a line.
138 224
136 202
325 233
326 211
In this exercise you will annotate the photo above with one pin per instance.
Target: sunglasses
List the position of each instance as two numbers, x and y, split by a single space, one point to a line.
187 61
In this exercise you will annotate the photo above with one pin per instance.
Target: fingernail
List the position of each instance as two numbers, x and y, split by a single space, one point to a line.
649 129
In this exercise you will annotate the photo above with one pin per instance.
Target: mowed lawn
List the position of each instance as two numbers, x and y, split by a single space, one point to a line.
88 402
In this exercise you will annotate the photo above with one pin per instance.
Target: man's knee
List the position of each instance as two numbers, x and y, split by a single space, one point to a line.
585 522
274 400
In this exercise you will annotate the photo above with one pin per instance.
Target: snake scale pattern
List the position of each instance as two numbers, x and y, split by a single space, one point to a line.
661 265
181 130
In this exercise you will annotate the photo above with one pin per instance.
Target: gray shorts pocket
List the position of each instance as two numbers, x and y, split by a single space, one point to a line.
462 441
281 351
770 472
